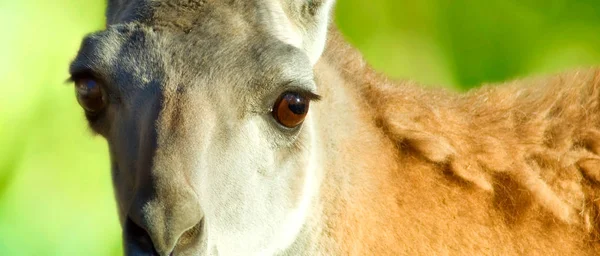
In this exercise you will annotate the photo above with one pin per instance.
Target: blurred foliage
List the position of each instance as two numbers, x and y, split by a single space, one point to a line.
55 191
466 42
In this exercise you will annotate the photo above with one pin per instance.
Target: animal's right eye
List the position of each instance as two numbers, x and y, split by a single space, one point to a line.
90 95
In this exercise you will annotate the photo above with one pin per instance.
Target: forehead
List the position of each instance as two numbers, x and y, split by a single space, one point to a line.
189 41
179 13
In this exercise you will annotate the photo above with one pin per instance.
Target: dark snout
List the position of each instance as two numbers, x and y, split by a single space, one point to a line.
156 227
164 215
138 241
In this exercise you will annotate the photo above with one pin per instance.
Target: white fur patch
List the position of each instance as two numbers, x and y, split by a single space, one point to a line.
280 25
311 184
309 35
248 212
317 38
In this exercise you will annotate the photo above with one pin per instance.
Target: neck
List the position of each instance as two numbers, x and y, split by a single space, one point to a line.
405 164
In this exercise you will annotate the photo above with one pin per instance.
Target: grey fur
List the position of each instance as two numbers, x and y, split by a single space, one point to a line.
159 59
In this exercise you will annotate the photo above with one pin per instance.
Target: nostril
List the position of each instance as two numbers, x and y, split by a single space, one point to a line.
190 237
138 240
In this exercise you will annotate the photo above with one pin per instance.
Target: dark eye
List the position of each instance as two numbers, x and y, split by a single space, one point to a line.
290 109
90 95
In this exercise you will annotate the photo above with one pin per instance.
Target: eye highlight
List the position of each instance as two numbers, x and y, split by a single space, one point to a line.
291 109
90 95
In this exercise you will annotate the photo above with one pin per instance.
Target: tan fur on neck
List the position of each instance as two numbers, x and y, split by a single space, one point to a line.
504 169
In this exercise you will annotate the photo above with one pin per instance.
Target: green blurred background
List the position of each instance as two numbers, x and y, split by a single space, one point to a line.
55 191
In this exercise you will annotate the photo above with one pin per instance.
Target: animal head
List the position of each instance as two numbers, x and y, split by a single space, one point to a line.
205 108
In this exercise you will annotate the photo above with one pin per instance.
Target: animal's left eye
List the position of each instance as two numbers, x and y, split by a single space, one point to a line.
90 95
290 109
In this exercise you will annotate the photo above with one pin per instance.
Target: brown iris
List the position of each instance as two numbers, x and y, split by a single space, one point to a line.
90 95
290 109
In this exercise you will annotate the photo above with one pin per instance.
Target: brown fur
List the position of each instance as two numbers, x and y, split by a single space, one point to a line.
504 169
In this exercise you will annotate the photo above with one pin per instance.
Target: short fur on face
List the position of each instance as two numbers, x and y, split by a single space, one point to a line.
377 168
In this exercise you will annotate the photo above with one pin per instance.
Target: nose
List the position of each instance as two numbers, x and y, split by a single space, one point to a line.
137 240
157 227
164 211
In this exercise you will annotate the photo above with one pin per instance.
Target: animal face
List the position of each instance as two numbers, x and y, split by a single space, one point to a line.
205 108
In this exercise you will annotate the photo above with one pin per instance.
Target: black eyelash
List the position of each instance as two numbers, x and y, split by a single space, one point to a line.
307 94
300 91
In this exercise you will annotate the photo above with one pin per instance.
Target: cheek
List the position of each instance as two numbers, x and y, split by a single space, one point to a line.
236 159
246 175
